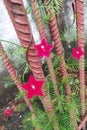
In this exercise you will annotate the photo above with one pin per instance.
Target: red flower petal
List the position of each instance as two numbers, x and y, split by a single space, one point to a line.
77 53
33 87
44 49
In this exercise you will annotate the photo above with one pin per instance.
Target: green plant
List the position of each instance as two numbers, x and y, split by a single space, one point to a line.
51 111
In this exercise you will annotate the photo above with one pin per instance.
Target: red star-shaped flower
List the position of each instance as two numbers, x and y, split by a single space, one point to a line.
33 87
44 48
8 112
77 53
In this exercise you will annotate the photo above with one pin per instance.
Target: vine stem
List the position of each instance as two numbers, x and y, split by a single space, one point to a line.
81 41
49 63
43 35
82 124
39 23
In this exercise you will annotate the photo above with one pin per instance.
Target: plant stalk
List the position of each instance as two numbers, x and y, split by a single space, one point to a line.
15 78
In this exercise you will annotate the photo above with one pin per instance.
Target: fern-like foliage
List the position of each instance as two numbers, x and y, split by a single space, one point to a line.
42 120
27 122
69 34
72 65
53 5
